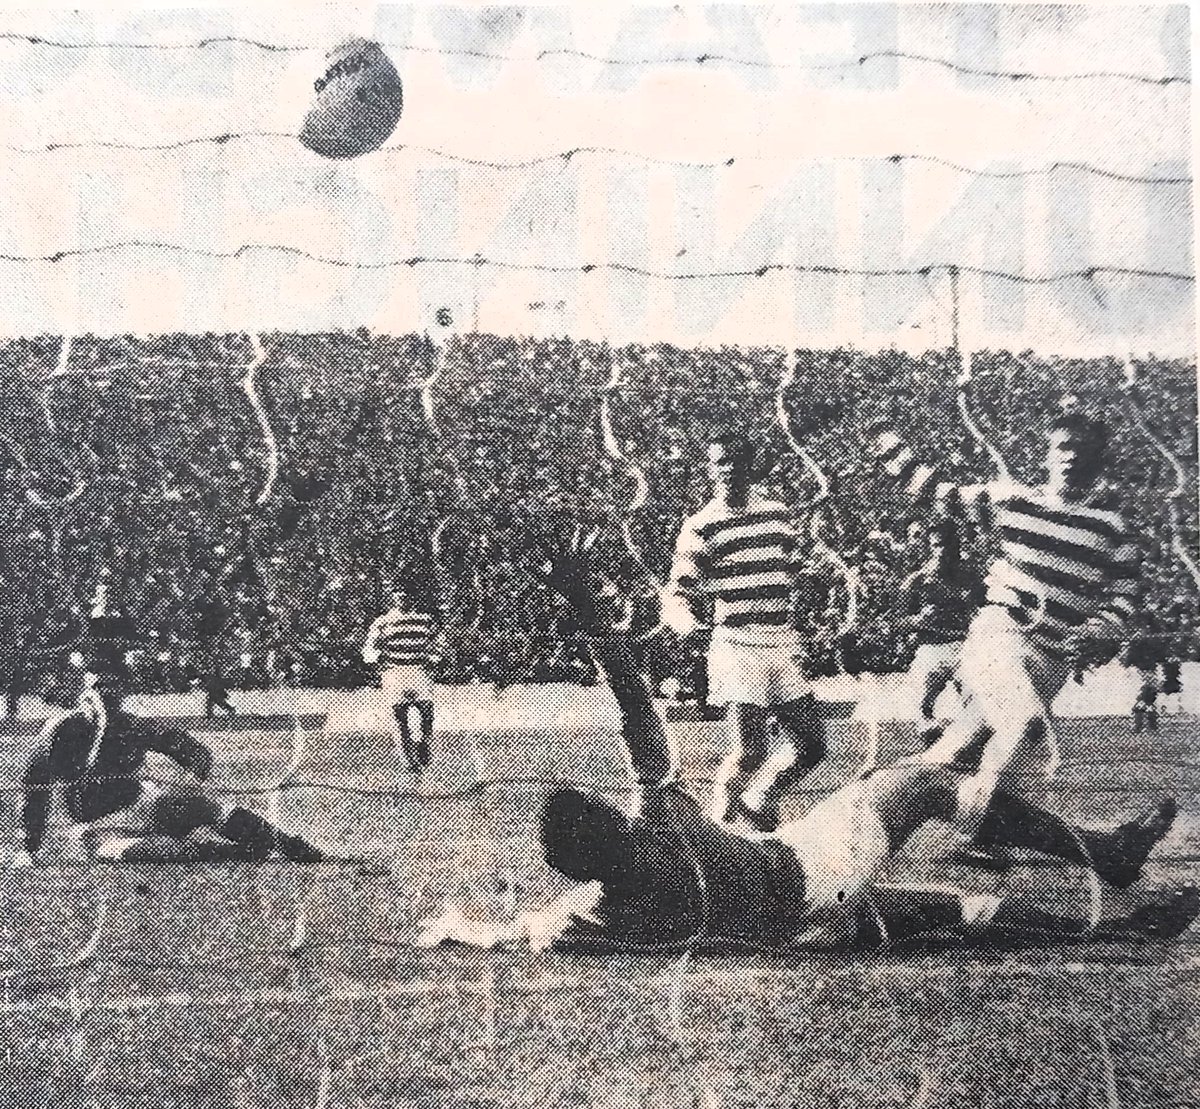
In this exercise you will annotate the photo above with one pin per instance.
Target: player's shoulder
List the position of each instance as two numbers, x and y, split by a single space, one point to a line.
69 727
709 513
774 508
1107 505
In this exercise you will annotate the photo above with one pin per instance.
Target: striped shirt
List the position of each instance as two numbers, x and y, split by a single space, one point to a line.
399 638
1058 564
743 559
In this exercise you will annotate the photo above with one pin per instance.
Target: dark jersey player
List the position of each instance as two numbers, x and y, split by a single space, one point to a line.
938 601
1145 705
666 876
94 759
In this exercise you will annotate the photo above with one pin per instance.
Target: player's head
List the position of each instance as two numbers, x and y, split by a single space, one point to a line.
402 597
945 546
1075 453
732 461
581 834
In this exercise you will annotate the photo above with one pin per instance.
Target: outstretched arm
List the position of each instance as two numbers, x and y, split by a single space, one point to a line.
38 784
60 754
179 746
921 482
567 571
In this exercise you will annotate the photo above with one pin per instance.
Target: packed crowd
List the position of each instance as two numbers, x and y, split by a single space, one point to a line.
140 467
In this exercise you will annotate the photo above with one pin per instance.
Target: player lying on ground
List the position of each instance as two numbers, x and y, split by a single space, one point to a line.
666 876
94 758
401 642
740 551
1063 583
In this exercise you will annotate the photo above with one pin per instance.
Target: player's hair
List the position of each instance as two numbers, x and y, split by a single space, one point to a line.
756 461
580 833
1089 434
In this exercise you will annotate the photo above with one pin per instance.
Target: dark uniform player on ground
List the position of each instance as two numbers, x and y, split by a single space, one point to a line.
94 759
665 875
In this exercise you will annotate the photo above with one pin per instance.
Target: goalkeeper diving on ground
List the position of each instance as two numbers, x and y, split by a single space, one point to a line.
94 760
665 876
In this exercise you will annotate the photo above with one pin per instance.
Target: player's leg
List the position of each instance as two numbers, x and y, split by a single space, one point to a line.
1160 914
935 680
749 745
408 743
1004 728
999 697
802 747
424 744
845 841
261 838
223 833
748 678
1117 855
651 756
906 913
934 667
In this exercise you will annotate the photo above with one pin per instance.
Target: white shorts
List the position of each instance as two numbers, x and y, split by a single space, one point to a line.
933 658
1006 671
407 683
1007 680
843 847
767 672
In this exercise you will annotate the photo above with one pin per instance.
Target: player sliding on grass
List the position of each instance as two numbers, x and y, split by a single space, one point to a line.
1063 583
94 759
665 875
740 552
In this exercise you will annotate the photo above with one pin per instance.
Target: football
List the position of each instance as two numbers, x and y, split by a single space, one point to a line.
357 103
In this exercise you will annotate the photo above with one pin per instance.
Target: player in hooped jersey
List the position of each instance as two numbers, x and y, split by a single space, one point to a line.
739 555
665 876
402 642
1063 581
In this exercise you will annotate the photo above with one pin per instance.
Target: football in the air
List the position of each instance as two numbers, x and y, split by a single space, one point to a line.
357 103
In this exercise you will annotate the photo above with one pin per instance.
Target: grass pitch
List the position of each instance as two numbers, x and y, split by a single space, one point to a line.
277 986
